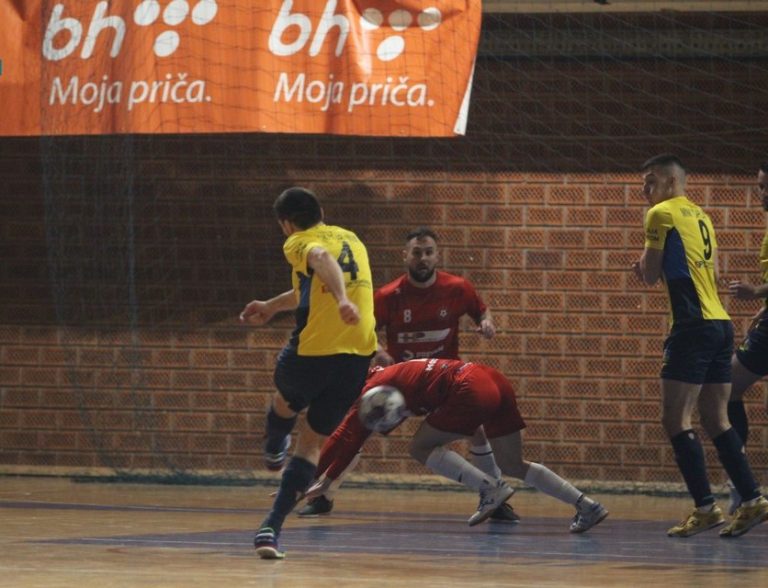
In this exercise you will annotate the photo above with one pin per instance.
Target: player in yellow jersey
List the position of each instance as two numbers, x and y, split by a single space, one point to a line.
750 362
681 250
323 367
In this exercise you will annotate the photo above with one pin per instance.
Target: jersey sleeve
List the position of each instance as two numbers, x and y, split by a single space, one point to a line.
341 447
658 223
296 249
475 305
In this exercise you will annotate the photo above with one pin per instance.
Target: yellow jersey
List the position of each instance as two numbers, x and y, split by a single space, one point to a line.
764 261
684 232
319 329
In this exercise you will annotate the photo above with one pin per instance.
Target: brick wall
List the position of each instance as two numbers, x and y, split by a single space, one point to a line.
127 259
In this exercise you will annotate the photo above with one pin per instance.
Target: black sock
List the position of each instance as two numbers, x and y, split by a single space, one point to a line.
278 428
297 477
731 454
689 456
738 417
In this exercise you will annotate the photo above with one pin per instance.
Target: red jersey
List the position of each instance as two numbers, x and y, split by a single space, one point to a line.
424 322
461 389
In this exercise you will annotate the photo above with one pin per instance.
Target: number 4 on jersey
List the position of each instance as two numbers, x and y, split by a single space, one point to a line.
347 261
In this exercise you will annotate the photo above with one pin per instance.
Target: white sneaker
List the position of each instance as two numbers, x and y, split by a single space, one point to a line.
734 499
585 519
492 496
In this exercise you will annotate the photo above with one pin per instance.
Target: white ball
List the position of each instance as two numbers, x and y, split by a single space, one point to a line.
382 408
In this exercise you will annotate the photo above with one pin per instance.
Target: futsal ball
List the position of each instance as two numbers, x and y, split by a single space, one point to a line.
382 408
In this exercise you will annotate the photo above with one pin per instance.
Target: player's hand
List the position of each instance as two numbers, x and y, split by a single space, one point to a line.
383 359
349 312
256 312
319 488
638 271
742 291
486 329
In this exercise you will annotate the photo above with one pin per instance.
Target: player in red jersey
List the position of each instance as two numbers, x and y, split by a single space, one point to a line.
457 398
420 313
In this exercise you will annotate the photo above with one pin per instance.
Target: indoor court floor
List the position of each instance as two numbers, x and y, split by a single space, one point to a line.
59 533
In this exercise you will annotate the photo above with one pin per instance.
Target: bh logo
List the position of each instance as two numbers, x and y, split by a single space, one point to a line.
145 14
371 19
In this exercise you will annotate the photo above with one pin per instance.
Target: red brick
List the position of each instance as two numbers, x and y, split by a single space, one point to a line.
209 359
624 217
566 195
582 217
544 216
606 195
564 323
543 301
460 215
543 259
525 238
505 215
526 193
21 355
588 260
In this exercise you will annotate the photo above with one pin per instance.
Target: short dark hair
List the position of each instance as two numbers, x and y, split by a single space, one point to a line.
764 167
300 206
664 159
421 233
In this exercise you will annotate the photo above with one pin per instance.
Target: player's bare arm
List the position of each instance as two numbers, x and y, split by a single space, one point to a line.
382 358
486 327
259 312
744 291
648 267
327 269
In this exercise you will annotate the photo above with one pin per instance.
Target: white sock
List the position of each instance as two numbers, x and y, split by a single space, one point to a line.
550 483
454 467
336 484
482 459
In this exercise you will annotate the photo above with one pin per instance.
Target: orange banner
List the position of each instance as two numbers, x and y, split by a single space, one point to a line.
351 67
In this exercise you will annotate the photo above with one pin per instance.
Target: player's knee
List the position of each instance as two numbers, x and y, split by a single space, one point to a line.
419 452
514 468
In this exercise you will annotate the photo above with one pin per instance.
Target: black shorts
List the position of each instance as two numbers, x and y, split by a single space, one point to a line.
699 353
327 385
753 352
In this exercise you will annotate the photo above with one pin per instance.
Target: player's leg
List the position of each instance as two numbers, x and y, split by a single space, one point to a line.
742 379
281 416
328 386
713 403
509 455
428 448
678 401
481 456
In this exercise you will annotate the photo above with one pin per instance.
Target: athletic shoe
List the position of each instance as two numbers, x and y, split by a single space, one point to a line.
492 496
266 544
587 518
504 514
747 517
316 507
276 461
697 522
734 501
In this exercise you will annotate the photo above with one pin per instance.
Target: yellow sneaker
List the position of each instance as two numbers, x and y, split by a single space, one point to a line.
697 522
746 517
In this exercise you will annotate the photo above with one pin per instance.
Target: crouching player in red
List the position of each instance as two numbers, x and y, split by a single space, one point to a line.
456 398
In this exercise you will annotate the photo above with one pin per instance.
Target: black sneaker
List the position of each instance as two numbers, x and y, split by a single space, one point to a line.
316 507
505 514
265 543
